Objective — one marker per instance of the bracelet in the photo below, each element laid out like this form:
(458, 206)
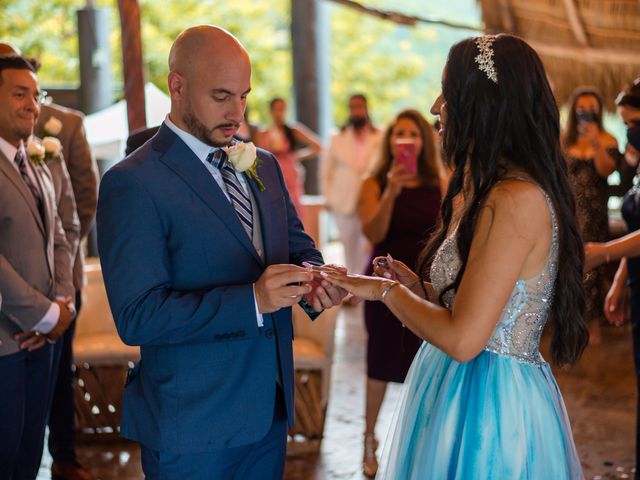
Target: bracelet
(387, 289)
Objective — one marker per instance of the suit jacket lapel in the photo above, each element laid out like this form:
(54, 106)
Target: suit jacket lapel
(14, 177)
(181, 159)
(46, 190)
(263, 201)
(45, 184)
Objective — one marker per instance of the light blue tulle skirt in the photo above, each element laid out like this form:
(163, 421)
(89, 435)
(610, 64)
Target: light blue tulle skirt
(492, 418)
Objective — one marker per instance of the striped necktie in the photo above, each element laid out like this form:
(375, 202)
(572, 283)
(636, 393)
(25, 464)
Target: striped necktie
(240, 200)
(22, 166)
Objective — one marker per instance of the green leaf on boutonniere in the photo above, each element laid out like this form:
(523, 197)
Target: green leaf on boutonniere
(253, 173)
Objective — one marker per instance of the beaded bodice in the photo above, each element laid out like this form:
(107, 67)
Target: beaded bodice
(519, 328)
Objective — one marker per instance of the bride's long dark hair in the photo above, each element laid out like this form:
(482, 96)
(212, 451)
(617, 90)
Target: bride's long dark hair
(514, 120)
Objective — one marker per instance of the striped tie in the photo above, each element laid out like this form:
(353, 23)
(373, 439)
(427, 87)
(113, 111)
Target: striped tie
(240, 200)
(22, 166)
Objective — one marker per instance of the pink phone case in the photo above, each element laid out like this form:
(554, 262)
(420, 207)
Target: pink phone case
(406, 155)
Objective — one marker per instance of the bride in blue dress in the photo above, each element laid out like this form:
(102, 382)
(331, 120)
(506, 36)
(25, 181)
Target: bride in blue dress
(480, 401)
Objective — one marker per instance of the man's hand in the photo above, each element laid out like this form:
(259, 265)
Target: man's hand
(276, 288)
(30, 340)
(323, 294)
(64, 321)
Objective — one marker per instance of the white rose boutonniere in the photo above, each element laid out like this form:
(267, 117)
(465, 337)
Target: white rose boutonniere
(52, 127)
(52, 148)
(243, 158)
(36, 152)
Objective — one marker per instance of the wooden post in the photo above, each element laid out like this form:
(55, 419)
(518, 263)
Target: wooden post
(132, 63)
(96, 91)
(305, 76)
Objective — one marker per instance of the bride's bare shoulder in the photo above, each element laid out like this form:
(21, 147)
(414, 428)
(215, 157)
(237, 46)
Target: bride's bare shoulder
(521, 202)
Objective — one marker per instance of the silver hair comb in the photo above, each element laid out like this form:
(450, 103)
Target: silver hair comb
(485, 58)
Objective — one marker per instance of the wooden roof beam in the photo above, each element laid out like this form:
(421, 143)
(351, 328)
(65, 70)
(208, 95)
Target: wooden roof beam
(506, 16)
(587, 54)
(576, 24)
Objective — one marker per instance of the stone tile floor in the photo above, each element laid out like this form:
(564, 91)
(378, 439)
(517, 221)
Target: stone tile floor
(599, 394)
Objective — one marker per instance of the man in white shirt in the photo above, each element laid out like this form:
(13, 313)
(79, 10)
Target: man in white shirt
(344, 165)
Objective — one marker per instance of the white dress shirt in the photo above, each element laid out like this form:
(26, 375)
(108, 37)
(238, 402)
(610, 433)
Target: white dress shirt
(202, 151)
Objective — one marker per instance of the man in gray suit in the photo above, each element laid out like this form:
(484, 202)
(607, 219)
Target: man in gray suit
(67, 125)
(35, 260)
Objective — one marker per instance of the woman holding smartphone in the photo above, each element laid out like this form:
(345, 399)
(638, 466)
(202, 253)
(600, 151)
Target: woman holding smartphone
(592, 155)
(398, 208)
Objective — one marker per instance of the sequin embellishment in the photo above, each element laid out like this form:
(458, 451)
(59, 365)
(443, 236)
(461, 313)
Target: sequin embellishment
(518, 331)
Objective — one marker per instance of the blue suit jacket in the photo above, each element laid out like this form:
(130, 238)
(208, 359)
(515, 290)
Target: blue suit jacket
(179, 269)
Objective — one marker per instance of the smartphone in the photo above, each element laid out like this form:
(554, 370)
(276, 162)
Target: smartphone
(406, 155)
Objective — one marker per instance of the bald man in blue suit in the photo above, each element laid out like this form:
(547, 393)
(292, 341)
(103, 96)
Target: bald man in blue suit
(202, 263)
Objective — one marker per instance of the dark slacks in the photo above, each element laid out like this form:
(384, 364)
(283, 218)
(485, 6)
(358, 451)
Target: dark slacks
(62, 431)
(26, 386)
(633, 266)
(263, 460)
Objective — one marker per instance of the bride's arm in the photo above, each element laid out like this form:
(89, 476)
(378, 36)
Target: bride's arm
(503, 246)
(506, 246)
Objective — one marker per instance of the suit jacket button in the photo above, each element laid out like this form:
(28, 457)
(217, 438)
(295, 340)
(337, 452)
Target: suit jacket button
(241, 333)
(217, 337)
(270, 333)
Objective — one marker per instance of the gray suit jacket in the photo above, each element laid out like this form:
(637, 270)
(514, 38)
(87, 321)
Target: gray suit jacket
(66, 206)
(35, 259)
(82, 170)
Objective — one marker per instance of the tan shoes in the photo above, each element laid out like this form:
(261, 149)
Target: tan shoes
(369, 460)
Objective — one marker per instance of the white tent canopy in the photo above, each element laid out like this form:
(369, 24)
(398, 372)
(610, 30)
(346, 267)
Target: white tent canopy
(107, 130)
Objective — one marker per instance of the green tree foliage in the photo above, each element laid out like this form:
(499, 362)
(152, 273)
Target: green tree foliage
(392, 65)
(368, 56)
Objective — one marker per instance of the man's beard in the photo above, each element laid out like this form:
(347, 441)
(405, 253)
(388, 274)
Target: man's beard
(200, 130)
(358, 122)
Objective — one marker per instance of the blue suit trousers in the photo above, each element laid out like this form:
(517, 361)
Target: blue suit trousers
(262, 460)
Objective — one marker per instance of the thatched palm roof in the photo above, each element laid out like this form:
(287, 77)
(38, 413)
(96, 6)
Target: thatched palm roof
(582, 42)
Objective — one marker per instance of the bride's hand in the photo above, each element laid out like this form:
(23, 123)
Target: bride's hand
(395, 270)
(361, 286)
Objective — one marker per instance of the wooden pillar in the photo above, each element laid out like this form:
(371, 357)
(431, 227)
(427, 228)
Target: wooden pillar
(305, 76)
(96, 90)
(132, 63)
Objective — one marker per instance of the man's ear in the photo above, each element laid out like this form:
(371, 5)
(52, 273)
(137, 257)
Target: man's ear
(176, 83)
